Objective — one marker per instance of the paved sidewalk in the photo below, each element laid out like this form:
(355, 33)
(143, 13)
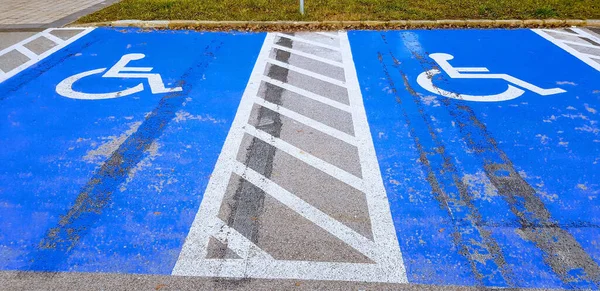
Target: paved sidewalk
(38, 14)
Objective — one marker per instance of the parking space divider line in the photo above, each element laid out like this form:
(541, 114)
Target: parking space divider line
(384, 232)
(581, 56)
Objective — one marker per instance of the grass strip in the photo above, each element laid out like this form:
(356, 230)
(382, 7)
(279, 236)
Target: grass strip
(345, 10)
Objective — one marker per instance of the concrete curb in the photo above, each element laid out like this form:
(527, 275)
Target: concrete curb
(335, 25)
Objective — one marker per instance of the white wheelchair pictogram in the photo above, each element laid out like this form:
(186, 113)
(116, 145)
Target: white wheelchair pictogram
(119, 70)
(512, 92)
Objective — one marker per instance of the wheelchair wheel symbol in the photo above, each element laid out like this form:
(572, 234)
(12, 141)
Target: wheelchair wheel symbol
(119, 70)
(425, 80)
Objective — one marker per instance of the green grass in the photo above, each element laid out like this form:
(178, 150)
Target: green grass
(262, 10)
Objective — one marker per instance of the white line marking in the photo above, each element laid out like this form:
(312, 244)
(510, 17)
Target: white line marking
(311, 37)
(52, 37)
(591, 56)
(308, 121)
(236, 242)
(586, 34)
(584, 44)
(308, 41)
(560, 32)
(471, 70)
(323, 33)
(387, 268)
(27, 52)
(9, 74)
(308, 73)
(382, 225)
(70, 28)
(276, 269)
(307, 94)
(336, 228)
(195, 246)
(299, 154)
(569, 49)
(309, 55)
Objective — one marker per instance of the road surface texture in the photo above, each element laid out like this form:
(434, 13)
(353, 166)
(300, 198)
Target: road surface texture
(362, 160)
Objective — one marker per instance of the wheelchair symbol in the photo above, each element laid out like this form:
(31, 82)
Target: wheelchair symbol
(512, 92)
(119, 70)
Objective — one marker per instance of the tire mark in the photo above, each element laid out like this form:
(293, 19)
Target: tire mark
(475, 243)
(248, 200)
(561, 251)
(97, 194)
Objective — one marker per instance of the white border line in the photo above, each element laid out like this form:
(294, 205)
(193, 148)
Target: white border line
(236, 242)
(382, 225)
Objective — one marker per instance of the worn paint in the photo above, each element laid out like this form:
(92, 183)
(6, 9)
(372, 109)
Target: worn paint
(489, 145)
(112, 185)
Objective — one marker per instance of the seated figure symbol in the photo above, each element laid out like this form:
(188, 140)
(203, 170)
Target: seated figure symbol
(119, 70)
(512, 92)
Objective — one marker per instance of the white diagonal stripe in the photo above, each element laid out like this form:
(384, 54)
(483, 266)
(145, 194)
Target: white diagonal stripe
(237, 242)
(40, 57)
(53, 38)
(307, 94)
(323, 33)
(560, 32)
(308, 55)
(336, 228)
(581, 56)
(308, 121)
(27, 52)
(384, 233)
(308, 73)
(308, 41)
(297, 153)
(584, 44)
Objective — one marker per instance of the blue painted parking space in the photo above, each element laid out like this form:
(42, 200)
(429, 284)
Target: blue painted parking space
(108, 144)
(249, 155)
(489, 147)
